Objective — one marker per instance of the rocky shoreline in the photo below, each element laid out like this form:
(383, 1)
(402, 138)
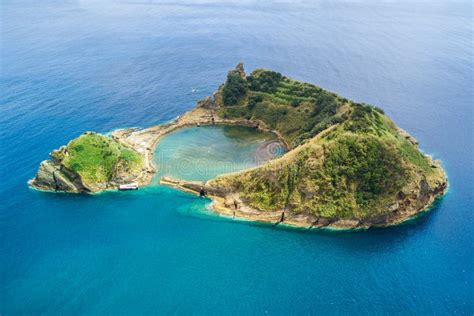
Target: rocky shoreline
(356, 132)
(229, 204)
(52, 176)
(144, 141)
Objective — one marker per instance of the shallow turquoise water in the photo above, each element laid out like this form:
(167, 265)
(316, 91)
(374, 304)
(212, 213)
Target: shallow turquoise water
(67, 67)
(202, 153)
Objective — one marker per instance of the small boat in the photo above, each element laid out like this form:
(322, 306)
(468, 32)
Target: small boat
(128, 186)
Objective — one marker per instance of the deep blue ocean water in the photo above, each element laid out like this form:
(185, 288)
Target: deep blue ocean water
(72, 66)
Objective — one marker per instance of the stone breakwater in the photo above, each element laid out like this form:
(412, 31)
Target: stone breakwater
(351, 167)
(53, 176)
(416, 200)
(145, 140)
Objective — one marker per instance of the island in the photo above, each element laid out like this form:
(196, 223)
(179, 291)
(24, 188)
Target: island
(347, 165)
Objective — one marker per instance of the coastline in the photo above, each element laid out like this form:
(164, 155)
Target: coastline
(217, 206)
(353, 135)
(144, 141)
(224, 205)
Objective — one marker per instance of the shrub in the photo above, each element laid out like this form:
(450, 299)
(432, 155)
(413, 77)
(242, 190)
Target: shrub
(325, 103)
(367, 164)
(236, 112)
(376, 108)
(234, 89)
(366, 119)
(253, 100)
(295, 103)
(265, 81)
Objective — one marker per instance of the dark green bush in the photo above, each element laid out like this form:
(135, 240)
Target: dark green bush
(265, 81)
(325, 103)
(295, 103)
(367, 164)
(234, 90)
(253, 100)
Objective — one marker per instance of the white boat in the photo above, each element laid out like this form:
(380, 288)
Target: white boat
(128, 186)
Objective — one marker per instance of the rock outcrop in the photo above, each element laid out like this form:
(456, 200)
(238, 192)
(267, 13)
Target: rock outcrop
(230, 203)
(348, 165)
(89, 163)
(207, 103)
(51, 175)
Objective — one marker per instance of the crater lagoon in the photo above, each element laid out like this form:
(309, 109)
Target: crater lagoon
(202, 153)
(69, 67)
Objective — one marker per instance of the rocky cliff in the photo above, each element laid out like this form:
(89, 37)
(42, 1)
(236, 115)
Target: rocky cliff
(89, 163)
(350, 165)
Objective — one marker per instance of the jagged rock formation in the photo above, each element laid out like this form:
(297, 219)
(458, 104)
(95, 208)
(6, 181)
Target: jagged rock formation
(52, 175)
(207, 103)
(347, 166)
(89, 163)
(350, 166)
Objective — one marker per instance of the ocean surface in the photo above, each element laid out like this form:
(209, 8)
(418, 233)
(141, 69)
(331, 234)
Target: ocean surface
(72, 66)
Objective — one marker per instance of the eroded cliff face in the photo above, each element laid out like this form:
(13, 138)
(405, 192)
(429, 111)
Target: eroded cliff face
(52, 176)
(350, 166)
(412, 200)
(89, 163)
(310, 193)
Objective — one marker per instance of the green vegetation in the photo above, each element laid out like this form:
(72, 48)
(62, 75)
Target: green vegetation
(352, 161)
(234, 89)
(297, 110)
(253, 100)
(264, 81)
(342, 174)
(97, 158)
(368, 164)
(413, 155)
(349, 160)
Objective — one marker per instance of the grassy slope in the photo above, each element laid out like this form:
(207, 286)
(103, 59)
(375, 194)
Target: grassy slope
(296, 109)
(353, 169)
(97, 158)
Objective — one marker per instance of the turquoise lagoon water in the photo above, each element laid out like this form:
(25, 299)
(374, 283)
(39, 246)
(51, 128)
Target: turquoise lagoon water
(72, 66)
(202, 153)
